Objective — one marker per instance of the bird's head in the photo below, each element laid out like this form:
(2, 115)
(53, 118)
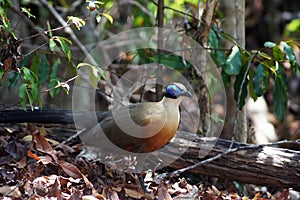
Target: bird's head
(176, 90)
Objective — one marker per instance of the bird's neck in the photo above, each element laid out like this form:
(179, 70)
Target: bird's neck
(171, 102)
(171, 107)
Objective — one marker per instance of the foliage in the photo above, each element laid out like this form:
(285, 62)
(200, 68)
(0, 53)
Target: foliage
(36, 69)
(5, 23)
(292, 28)
(255, 70)
(252, 71)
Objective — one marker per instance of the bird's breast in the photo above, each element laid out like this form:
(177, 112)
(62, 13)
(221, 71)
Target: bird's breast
(165, 134)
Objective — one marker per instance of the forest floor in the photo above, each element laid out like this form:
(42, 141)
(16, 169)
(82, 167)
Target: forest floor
(36, 162)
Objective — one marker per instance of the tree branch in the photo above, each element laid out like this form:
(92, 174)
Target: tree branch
(263, 164)
(69, 31)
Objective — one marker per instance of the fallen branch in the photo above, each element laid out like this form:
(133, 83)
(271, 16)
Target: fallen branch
(263, 164)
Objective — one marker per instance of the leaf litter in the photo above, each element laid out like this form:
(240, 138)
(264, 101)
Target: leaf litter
(34, 164)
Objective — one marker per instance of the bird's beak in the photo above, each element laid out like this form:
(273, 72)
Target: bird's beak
(186, 94)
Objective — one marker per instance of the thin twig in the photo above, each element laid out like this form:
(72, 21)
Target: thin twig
(160, 41)
(61, 84)
(72, 137)
(69, 31)
(36, 48)
(139, 5)
(29, 22)
(45, 32)
(240, 91)
(178, 11)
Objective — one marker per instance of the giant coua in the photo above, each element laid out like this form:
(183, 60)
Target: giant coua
(141, 127)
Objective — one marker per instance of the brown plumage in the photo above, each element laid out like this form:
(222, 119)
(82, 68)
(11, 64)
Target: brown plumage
(142, 127)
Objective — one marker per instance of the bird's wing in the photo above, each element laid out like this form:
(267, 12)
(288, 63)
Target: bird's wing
(145, 113)
(140, 114)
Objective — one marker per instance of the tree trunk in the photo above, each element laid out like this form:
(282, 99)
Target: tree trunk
(234, 24)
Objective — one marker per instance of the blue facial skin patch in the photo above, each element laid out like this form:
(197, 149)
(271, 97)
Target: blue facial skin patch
(173, 91)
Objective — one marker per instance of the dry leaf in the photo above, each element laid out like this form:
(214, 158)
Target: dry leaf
(43, 145)
(45, 160)
(32, 155)
(70, 169)
(134, 193)
(117, 189)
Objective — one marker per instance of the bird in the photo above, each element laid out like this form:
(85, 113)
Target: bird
(141, 127)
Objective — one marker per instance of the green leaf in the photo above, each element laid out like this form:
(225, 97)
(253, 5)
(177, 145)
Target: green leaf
(269, 44)
(29, 89)
(53, 86)
(49, 30)
(54, 69)
(44, 69)
(292, 27)
(66, 50)
(217, 55)
(110, 19)
(54, 79)
(35, 92)
(226, 79)
(173, 61)
(52, 45)
(98, 2)
(237, 85)
(1, 73)
(264, 55)
(260, 80)
(277, 53)
(23, 62)
(251, 86)
(64, 46)
(95, 73)
(22, 91)
(35, 64)
(29, 97)
(13, 80)
(234, 62)
(280, 94)
(93, 69)
(22, 94)
(27, 74)
(93, 79)
(289, 52)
